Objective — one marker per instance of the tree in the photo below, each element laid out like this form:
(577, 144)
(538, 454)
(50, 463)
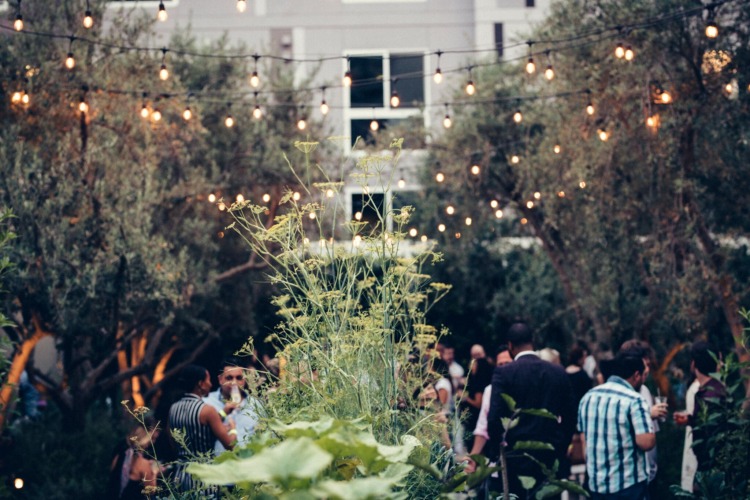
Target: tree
(631, 212)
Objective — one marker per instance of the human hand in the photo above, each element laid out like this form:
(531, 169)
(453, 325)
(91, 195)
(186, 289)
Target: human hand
(680, 417)
(659, 411)
(470, 466)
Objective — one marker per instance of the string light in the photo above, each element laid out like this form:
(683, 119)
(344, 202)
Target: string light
(529, 204)
(470, 88)
(438, 76)
(25, 98)
(347, 80)
(515, 159)
(257, 112)
(629, 54)
(518, 116)
(302, 123)
(561, 194)
(475, 170)
(441, 228)
(395, 101)
(590, 108)
(241, 5)
(447, 122)
(401, 183)
(88, 20)
(450, 210)
(162, 14)
(82, 106)
(229, 120)
(499, 214)
(358, 216)
(163, 71)
(619, 51)
(413, 232)
(296, 196)
(603, 135)
(530, 66)
(549, 73)
(156, 115)
(16, 97)
(18, 483)
(440, 177)
(240, 198)
(254, 78)
(665, 97)
(211, 198)
(329, 193)
(18, 23)
(374, 125)
(70, 61)
(494, 203)
(266, 198)
(537, 195)
(324, 109)
(145, 111)
(712, 30)
(557, 149)
(582, 184)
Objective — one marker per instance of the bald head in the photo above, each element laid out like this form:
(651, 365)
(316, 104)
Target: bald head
(477, 352)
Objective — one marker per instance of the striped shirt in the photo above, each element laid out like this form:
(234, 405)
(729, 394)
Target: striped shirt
(610, 416)
(184, 415)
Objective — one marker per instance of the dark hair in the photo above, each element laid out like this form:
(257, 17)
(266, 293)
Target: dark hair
(501, 349)
(637, 348)
(190, 376)
(606, 368)
(576, 354)
(231, 361)
(520, 334)
(627, 363)
(700, 352)
(440, 367)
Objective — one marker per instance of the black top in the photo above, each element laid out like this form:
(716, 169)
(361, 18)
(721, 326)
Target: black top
(581, 383)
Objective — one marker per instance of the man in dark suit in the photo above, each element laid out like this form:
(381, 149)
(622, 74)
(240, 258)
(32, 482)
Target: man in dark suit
(533, 384)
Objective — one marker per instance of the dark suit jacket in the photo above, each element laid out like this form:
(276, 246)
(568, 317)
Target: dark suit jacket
(534, 384)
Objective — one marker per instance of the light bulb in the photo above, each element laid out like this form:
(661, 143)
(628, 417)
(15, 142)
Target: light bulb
(450, 210)
(470, 88)
(413, 232)
(557, 149)
(241, 5)
(401, 183)
(561, 194)
(296, 196)
(145, 111)
(254, 79)
(324, 107)
(187, 114)
(438, 76)
(347, 79)
(156, 115)
(16, 97)
(358, 216)
(329, 193)
(163, 72)
(423, 238)
(537, 195)
(257, 112)
(211, 198)
(524, 221)
(712, 30)
(312, 216)
(494, 203)
(18, 23)
(18, 483)
(439, 177)
(475, 169)
(529, 204)
(266, 198)
(25, 98)
(395, 101)
(514, 159)
(70, 61)
(629, 54)
(650, 121)
(374, 125)
(619, 51)
(582, 184)
(517, 116)
(499, 214)
(666, 97)
(302, 124)
(240, 198)
(468, 221)
(229, 121)
(83, 107)
(603, 135)
(447, 121)
(530, 66)
(590, 108)
(162, 14)
(222, 206)
(88, 21)
(549, 73)
(441, 228)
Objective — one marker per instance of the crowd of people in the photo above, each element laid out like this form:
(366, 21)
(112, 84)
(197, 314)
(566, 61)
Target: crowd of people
(597, 413)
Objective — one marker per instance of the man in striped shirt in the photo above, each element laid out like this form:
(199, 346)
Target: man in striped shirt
(618, 430)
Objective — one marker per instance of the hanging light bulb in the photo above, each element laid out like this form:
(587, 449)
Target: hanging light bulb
(712, 30)
(590, 108)
(447, 121)
(603, 135)
(229, 121)
(211, 198)
(302, 123)
(561, 194)
(374, 125)
(666, 97)
(529, 204)
(254, 80)
(438, 76)
(499, 214)
(450, 210)
(494, 203)
(468, 221)
(557, 149)
(266, 198)
(187, 114)
(441, 228)
(629, 54)
(440, 177)
(82, 106)
(25, 98)
(324, 107)
(413, 232)
(530, 66)
(619, 51)
(162, 14)
(257, 113)
(515, 159)
(163, 72)
(517, 116)
(537, 195)
(401, 183)
(395, 101)
(582, 184)
(470, 88)
(156, 115)
(145, 112)
(549, 73)
(70, 61)
(88, 20)
(240, 198)
(475, 170)
(16, 97)
(18, 23)
(241, 5)
(296, 196)
(347, 79)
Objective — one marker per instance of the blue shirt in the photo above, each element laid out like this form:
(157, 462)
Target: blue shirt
(610, 416)
(245, 417)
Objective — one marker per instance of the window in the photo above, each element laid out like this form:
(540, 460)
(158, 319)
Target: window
(529, 3)
(371, 209)
(375, 77)
(499, 39)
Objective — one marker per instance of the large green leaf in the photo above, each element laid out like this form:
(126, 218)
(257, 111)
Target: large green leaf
(540, 413)
(294, 458)
(356, 489)
(532, 445)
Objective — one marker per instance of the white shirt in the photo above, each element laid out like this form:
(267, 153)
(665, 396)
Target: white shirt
(445, 384)
(484, 411)
(689, 461)
(525, 353)
(245, 417)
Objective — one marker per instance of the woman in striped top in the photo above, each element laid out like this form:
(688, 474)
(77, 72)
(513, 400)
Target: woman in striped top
(201, 425)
